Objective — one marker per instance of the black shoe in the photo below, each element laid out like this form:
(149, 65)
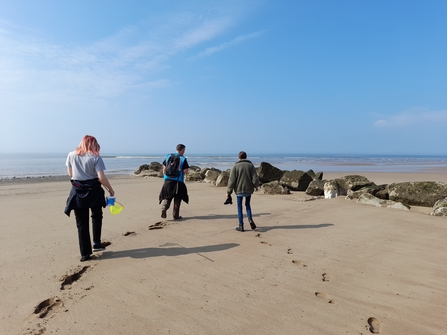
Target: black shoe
(228, 201)
(252, 224)
(163, 213)
(177, 218)
(85, 258)
(98, 248)
(240, 228)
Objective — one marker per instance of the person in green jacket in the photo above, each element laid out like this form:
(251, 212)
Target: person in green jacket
(243, 181)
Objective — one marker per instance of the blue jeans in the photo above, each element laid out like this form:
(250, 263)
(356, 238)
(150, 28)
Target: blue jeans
(240, 197)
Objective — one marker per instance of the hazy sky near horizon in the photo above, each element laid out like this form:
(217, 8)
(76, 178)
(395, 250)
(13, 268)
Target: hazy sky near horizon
(321, 76)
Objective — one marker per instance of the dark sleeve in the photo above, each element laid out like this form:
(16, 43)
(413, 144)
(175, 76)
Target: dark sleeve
(185, 165)
(231, 181)
(164, 162)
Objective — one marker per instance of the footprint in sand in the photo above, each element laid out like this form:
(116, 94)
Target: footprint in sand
(296, 262)
(157, 225)
(264, 242)
(69, 279)
(325, 297)
(258, 235)
(48, 307)
(374, 325)
(129, 233)
(106, 243)
(326, 277)
(289, 251)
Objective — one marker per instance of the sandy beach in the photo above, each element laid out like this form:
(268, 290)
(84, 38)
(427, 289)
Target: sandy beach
(311, 267)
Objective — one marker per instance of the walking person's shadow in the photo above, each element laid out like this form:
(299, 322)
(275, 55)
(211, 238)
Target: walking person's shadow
(170, 251)
(298, 226)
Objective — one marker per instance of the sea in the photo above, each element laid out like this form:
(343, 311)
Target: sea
(20, 165)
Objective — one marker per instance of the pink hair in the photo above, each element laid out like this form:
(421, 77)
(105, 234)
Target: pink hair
(88, 144)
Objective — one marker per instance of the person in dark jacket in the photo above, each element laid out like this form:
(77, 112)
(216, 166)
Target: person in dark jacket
(86, 170)
(174, 186)
(243, 181)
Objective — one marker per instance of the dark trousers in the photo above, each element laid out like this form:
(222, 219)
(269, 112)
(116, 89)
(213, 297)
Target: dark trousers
(82, 222)
(166, 203)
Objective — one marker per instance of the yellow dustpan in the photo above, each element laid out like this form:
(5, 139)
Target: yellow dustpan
(116, 208)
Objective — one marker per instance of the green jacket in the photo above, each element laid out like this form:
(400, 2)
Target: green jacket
(243, 178)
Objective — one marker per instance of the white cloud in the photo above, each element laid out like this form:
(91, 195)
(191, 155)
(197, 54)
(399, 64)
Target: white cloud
(211, 50)
(413, 117)
(131, 59)
(202, 33)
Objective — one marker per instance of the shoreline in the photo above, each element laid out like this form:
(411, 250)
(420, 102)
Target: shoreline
(44, 165)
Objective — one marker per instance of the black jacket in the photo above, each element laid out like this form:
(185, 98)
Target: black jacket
(174, 189)
(85, 194)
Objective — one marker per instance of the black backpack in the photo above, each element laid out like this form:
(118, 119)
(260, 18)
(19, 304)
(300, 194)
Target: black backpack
(173, 166)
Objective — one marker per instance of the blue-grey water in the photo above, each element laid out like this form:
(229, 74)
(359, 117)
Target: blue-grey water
(39, 165)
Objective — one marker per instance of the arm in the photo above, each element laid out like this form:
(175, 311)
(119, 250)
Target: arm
(185, 167)
(70, 171)
(105, 182)
(231, 182)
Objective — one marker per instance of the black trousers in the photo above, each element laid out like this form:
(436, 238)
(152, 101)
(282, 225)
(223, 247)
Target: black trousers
(166, 203)
(82, 222)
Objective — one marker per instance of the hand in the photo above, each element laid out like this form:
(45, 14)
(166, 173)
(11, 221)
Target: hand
(112, 193)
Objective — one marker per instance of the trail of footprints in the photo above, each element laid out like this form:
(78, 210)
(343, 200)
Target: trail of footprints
(374, 324)
(50, 306)
(35, 323)
(157, 225)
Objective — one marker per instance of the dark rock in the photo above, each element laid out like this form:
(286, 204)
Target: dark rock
(351, 195)
(156, 166)
(315, 188)
(211, 175)
(274, 188)
(149, 170)
(353, 183)
(150, 173)
(194, 168)
(379, 192)
(222, 179)
(194, 176)
(268, 173)
(205, 170)
(420, 193)
(296, 180)
(141, 168)
(319, 175)
(311, 173)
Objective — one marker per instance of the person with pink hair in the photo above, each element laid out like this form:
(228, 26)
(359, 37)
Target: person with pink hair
(86, 170)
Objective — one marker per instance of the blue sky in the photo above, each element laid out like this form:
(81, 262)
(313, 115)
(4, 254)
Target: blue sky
(323, 77)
